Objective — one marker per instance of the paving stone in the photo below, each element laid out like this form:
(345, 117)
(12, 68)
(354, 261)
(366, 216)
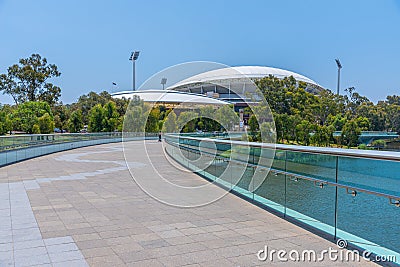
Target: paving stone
(154, 243)
(28, 244)
(81, 207)
(171, 233)
(58, 240)
(60, 248)
(146, 263)
(74, 263)
(28, 252)
(6, 257)
(32, 260)
(137, 256)
(66, 256)
(97, 252)
(109, 260)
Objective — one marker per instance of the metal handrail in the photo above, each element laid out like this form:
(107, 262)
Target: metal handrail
(368, 154)
(31, 140)
(297, 176)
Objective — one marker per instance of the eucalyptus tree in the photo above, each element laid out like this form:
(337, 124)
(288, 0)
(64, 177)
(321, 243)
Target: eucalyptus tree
(28, 81)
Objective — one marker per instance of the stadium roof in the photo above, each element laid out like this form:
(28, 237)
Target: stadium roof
(170, 97)
(241, 72)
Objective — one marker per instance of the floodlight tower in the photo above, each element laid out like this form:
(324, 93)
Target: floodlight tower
(339, 65)
(134, 56)
(163, 82)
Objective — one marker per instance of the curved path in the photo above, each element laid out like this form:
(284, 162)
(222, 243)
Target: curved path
(81, 207)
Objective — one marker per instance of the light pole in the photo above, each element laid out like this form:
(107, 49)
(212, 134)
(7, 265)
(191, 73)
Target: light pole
(134, 56)
(339, 65)
(163, 82)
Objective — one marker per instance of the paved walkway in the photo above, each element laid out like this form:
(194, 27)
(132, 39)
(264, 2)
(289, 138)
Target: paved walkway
(81, 207)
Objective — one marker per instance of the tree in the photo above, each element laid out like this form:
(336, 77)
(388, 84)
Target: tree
(60, 113)
(75, 122)
(227, 117)
(354, 101)
(350, 133)
(134, 120)
(363, 123)
(322, 135)
(152, 121)
(267, 132)
(110, 117)
(392, 111)
(46, 124)
(51, 94)
(27, 115)
(170, 125)
(303, 131)
(207, 119)
(254, 127)
(36, 129)
(393, 100)
(9, 87)
(5, 122)
(187, 121)
(280, 127)
(121, 105)
(379, 143)
(336, 121)
(96, 119)
(327, 105)
(136, 116)
(87, 102)
(27, 81)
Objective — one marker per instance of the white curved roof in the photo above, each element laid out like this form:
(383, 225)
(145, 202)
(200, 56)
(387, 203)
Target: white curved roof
(170, 96)
(241, 72)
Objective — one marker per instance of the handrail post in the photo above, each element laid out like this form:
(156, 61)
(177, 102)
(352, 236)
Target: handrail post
(336, 195)
(254, 172)
(285, 194)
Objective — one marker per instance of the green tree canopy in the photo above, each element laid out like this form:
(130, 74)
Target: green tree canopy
(170, 124)
(187, 121)
(227, 117)
(27, 115)
(75, 123)
(136, 115)
(96, 118)
(87, 102)
(46, 124)
(27, 81)
(5, 121)
(110, 117)
(104, 118)
(350, 133)
(61, 115)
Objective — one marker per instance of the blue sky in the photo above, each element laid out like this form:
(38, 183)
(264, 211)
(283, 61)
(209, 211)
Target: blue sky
(91, 41)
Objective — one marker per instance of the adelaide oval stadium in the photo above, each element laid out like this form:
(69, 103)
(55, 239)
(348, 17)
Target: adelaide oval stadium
(228, 85)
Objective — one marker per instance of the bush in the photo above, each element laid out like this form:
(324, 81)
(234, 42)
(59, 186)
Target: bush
(46, 124)
(35, 129)
(362, 146)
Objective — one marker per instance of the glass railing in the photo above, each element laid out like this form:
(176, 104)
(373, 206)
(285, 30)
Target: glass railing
(352, 195)
(15, 148)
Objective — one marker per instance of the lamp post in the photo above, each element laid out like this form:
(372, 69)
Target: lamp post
(163, 82)
(134, 56)
(339, 65)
